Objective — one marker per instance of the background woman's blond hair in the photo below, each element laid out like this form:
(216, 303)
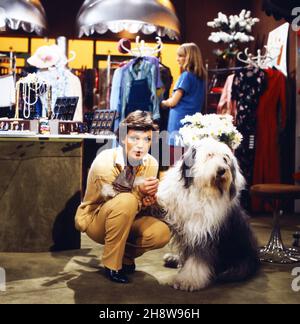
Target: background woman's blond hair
(193, 59)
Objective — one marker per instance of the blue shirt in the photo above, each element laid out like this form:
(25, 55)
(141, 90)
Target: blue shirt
(122, 81)
(190, 104)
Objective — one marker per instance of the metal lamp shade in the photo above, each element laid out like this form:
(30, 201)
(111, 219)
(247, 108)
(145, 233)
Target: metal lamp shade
(28, 15)
(134, 16)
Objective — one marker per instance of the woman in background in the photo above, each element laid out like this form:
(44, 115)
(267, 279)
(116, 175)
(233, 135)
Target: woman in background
(188, 96)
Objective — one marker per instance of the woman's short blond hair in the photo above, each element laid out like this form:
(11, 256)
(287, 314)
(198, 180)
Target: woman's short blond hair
(193, 59)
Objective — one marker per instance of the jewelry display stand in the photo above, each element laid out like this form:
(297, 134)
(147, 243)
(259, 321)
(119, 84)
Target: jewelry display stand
(64, 108)
(18, 125)
(103, 122)
(28, 92)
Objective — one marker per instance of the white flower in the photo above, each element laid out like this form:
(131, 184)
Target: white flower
(214, 37)
(243, 38)
(222, 18)
(232, 28)
(211, 24)
(248, 14)
(249, 28)
(219, 127)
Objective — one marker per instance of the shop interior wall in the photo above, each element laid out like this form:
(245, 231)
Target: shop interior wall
(198, 13)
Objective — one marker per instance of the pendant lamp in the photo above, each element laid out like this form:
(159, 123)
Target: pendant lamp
(134, 16)
(28, 15)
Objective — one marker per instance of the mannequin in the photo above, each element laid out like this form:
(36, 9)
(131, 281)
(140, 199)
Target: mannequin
(51, 62)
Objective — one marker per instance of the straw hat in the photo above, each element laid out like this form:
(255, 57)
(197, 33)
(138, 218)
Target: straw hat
(47, 56)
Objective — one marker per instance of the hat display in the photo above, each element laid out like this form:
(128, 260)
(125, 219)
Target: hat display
(47, 56)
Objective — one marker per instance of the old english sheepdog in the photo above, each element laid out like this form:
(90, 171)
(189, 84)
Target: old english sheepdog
(200, 196)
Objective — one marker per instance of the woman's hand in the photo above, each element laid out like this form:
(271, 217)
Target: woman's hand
(149, 187)
(174, 100)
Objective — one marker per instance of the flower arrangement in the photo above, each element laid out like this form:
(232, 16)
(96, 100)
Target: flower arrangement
(232, 29)
(219, 127)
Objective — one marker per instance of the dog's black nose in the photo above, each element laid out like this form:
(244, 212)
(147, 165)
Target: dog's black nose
(221, 172)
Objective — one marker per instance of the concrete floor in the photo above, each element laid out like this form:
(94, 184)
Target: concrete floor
(75, 277)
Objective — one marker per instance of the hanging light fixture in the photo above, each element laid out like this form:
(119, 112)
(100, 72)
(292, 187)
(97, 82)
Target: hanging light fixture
(28, 15)
(134, 16)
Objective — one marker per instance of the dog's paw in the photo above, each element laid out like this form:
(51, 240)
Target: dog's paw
(186, 284)
(171, 261)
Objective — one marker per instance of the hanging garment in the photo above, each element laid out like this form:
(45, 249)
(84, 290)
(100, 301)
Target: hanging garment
(88, 85)
(64, 84)
(167, 80)
(248, 86)
(7, 87)
(271, 119)
(143, 70)
(115, 97)
(124, 99)
(139, 97)
(226, 104)
(155, 61)
(103, 89)
(151, 59)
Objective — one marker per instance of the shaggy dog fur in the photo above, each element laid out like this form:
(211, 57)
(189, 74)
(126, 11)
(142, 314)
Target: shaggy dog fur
(210, 230)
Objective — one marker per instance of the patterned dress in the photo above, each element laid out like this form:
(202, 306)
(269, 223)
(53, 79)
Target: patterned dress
(248, 86)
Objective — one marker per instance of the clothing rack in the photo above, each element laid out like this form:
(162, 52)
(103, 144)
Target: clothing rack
(216, 71)
(258, 60)
(224, 70)
(140, 51)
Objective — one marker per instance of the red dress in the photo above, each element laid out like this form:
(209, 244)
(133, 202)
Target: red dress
(271, 118)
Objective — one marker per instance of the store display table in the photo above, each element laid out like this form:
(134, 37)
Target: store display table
(41, 181)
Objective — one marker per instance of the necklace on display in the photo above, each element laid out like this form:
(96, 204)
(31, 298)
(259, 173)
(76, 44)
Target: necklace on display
(58, 78)
(33, 88)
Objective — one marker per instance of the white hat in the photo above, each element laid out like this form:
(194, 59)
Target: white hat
(47, 56)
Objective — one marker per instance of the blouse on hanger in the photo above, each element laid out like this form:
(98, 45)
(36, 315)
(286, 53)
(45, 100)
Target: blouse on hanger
(226, 104)
(134, 87)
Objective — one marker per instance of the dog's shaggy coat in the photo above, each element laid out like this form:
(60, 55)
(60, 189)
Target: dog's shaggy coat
(210, 230)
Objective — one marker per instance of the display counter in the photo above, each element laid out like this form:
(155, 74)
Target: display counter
(42, 180)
